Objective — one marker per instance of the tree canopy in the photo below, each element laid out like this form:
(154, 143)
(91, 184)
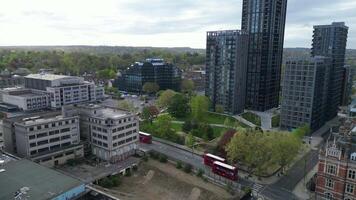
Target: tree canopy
(199, 105)
(150, 87)
(178, 107)
(165, 98)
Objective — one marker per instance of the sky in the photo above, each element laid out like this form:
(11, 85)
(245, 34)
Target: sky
(158, 23)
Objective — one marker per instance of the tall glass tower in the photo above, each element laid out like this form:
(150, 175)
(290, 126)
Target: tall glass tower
(264, 21)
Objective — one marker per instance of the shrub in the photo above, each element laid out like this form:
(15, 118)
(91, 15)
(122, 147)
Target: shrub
(128, 173)
(200, 173)
(116, 181)
(187, 168)
(163, 158)
(154, 155)
(179, 165)
(135, 168)
(145, 158)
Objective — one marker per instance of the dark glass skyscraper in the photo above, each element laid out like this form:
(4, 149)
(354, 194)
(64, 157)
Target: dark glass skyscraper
(330, 41)
(264, 21)
(226, 63)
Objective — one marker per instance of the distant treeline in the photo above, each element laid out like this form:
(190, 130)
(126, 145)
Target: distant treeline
(106, 60)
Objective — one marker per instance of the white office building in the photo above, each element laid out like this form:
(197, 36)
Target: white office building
(113, 133)
(26, 99)
(65, 90)
(49, 138)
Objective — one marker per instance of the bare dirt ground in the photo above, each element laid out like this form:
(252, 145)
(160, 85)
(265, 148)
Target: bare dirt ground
(162, 181)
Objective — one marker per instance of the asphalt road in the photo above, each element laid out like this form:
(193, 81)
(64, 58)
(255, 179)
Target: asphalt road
(278, 191)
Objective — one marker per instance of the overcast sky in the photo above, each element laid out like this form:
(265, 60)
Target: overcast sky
(160, 23)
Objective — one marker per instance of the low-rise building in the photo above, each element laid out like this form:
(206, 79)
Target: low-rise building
(336, 175)
(23, 179)
(49, 138)
(26, 99)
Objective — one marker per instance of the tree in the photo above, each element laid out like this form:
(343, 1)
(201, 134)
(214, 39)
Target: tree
(199, 105)
(149, 113)
(164, 126)
(219, 108)
(302, 131)
(187, 126)
(150, 87)
(225, 139)
(187, 86)
(127, 105)
(178, 107)
(190, 140)
(165, 98)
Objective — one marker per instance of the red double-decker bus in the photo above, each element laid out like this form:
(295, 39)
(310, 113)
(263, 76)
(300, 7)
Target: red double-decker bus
(225, 170)
(209, 159)
(145, 137)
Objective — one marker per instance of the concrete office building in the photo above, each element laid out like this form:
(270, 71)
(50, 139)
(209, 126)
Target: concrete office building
(26, 99)
(50, 138)
(166, 75)
(64, 90)
(330, 41)
(264, 21)
(226, 66)
(304, 93)
(113, 133)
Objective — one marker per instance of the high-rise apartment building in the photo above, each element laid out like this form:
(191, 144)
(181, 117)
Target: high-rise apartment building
(304, 93)
(226, 65)
(264, 21)
(330, 41)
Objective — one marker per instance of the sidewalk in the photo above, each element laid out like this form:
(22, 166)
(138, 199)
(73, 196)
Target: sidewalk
(244, 121)
(300, 190)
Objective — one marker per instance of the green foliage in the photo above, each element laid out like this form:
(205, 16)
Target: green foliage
(187, 168)
(149, 113)
(150, 88)
(302, 131)
(200, 173)
(110, 181)
(154, 155)
(219, 108)
(163, 158)
(127, 105)
(187, 126)
(145, 158)
(106, 74)
(275, 120)
(199, 105)
(257, 151)
(178, 107)
(187, 86)
(189, 140)
(164, 126)
(253, 118)
(179, 165)
(165, 97)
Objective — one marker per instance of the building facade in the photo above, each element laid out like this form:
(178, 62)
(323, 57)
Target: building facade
(304, 93)
(26, 99)
(113, 133)
(64, 90)
(264, 21)
(336, 175)
(166, 75)
(226, 66)
(348, 75)
(49, 138)
(330, 41)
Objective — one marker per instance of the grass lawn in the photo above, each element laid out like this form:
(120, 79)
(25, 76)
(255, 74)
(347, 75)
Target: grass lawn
(214, 118)
(177, 127)
(275, 121)
(253, 118)
(218, 131)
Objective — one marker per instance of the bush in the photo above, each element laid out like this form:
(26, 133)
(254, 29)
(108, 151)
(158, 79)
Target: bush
(154, 155)
(179, 165)
(275, 120)
(135, 168)
(145, 158)
(128, 174)
(200, 173)
(163, 158)
(187, 168)
(116, 181)
(187, 126)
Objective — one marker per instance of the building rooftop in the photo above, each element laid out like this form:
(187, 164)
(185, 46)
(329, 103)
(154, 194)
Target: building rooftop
(49, 77)
(31, 180)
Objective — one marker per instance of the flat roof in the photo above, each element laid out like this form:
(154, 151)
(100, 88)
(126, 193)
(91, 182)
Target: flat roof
(49, 77)
(106, 112)
(37, 181)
